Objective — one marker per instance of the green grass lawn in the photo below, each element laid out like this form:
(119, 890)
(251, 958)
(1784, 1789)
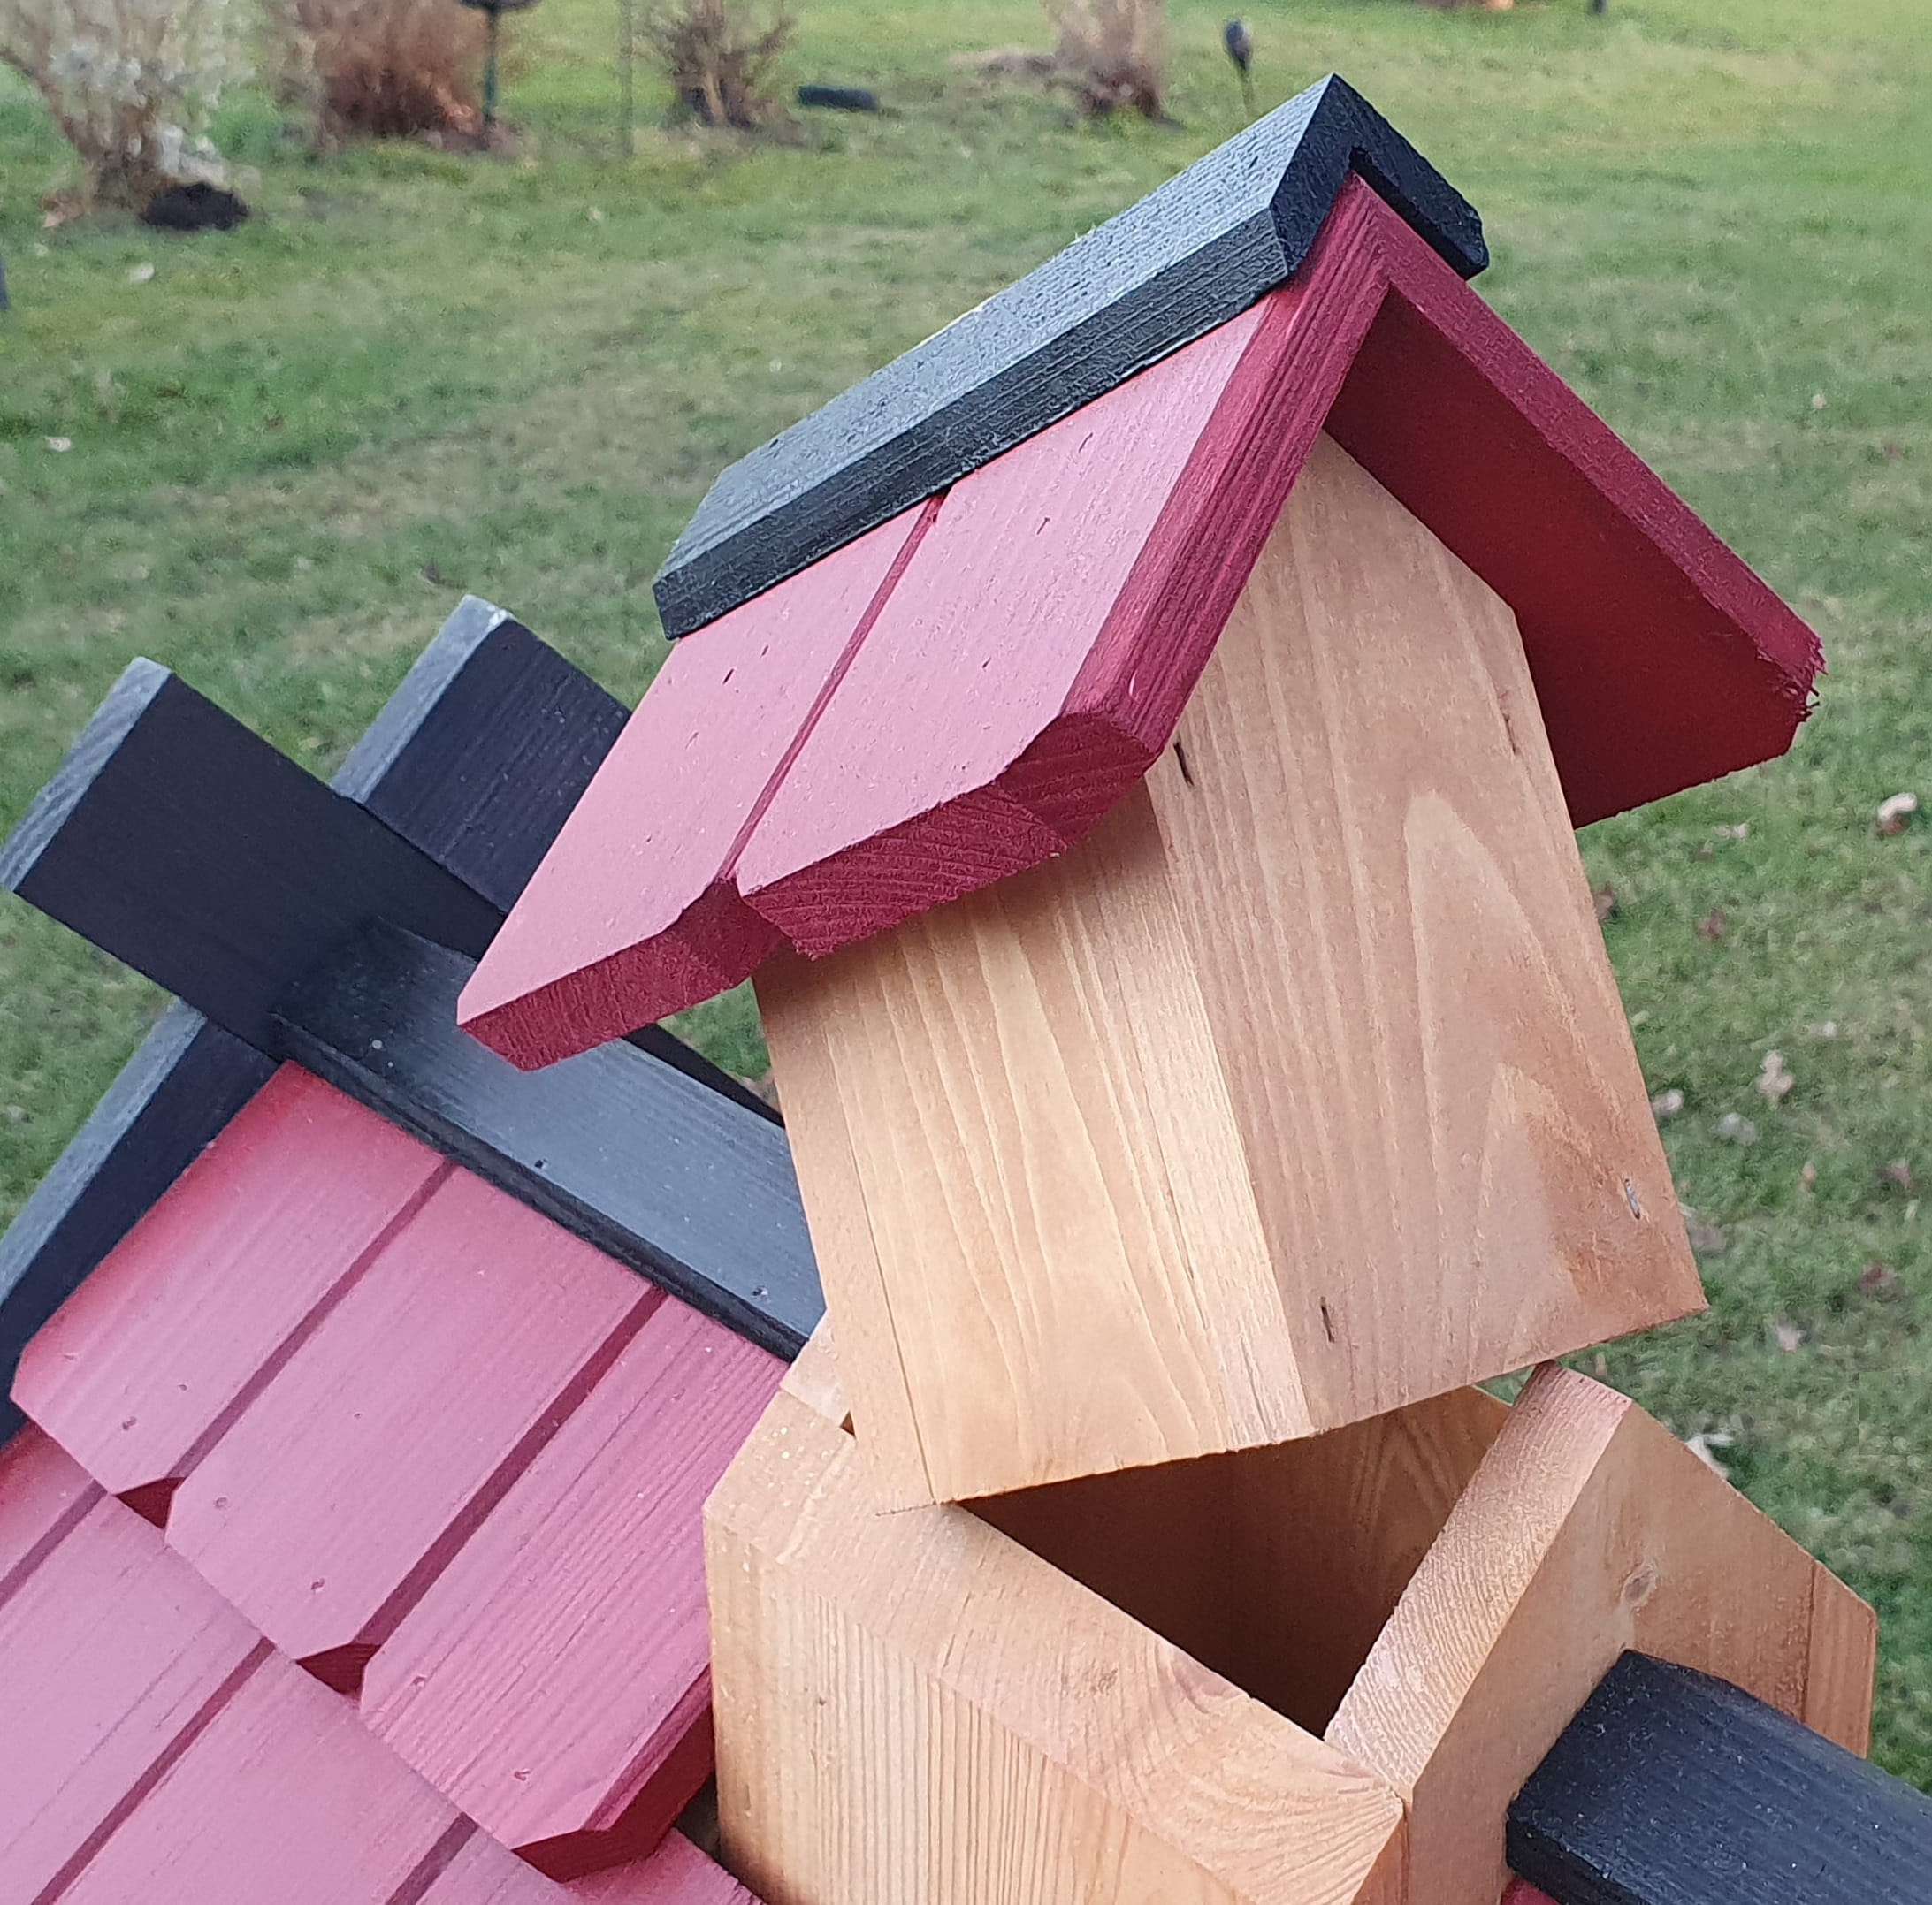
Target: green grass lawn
(415, 374)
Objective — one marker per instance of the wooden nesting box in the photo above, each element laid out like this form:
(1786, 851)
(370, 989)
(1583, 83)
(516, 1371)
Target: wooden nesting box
(1304, 1675)
(1159, 706)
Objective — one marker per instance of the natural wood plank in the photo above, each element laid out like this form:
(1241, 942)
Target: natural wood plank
(666, 1176)
(111, 1652)
(554, 1681)
(166, 1343)
(340, 1492)
(1109, 1167)
(814, 1379)
(1190, 256)
(279, 1796)
(1844, 1665)
(1587, 1529)
(911, 1706)
(631, 914)
(1276, 1567)
(1671, 1787)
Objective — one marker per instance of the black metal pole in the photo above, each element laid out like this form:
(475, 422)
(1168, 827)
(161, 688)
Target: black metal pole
(495, 15)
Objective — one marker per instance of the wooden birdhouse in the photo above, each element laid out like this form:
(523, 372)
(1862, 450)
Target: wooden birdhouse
(1157, 708)
(1134, 741)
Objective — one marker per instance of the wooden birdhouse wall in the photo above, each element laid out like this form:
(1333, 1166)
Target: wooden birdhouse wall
(1299, 1091)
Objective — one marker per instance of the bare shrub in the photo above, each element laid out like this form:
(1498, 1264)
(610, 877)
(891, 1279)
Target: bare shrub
(1112, 53)
(131, 84)
(388, 68)
(719, 56)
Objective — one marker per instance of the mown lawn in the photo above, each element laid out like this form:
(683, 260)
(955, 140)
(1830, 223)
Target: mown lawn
(415, 374)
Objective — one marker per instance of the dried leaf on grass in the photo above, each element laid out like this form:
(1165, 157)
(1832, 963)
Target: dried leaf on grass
(1774, 1080)
(1895, 814)
(1702, 1445)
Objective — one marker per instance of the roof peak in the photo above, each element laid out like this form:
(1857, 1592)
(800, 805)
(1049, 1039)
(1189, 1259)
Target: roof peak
(1198, 250)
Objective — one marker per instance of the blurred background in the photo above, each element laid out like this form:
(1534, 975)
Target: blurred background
(404, 348)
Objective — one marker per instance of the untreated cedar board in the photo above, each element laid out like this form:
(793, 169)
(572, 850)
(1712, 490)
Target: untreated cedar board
(675, 1180)
(1190, 256)
(554, 1681)
(1587, 1529)
(911, 1706)
(337, 1496)
(1300, 1090)
(111, 1652)
(1276, 1567)
(279, 1796)
(640, 876)
(1671, 1787)
(160, 1348)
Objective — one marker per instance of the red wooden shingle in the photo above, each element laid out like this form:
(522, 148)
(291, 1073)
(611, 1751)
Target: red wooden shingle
(1032, 659)
(43, 1492)
(652, 841)
(342, 1490)
(112, 1651)
(281, 1796)
(1521, 1892)
(554, 1682)
(677, 1873)
(162, 1347)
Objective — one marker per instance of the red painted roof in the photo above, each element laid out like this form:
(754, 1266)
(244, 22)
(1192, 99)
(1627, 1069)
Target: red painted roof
(963, 692)
(387, 1424)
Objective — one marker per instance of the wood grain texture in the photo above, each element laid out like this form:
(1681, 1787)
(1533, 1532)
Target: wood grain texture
(1671, 1787)
(475, 761)
(632, 913)
(172, 1099)
(1032, 659)
(554, 1681)
(1844, 1665)
(1588, 1529)
(1107, 1170)
(663, 1174)
(112, 1651)
(1661, 660)
(280, 1795)
(677, 1873)
(911, 1706)
(43, 1492)
(338, 1494)
(158, 1351)
(1191, 256)
(1276, 1568)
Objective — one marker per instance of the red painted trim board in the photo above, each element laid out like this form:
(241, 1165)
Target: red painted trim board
(555, 1680)
(1034, 654)
(651, 844)
(342, 1491)
(142, 1367)
(1521, 1892)
(112, 1651)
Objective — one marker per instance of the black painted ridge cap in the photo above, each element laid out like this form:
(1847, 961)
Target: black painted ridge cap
(54, 802)
(1194, 252)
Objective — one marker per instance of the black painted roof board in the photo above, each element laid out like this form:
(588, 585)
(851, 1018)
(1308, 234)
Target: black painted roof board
(678, 1181)
(1186, 258)
(1670, 1788)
